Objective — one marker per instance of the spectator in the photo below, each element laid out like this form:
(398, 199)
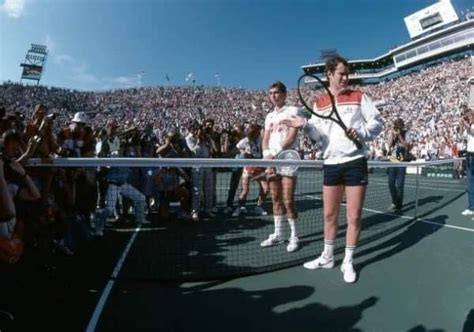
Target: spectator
(251, 148)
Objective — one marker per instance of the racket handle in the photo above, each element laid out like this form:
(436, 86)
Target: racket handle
(354, 140)
(357, 143)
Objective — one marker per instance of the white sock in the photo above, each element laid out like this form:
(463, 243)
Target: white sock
(292, 223)
(278, 226)
(328, 248)
(349, 254)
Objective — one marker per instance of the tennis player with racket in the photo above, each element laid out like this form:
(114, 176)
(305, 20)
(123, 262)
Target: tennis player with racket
(342, 121)
(278, 137)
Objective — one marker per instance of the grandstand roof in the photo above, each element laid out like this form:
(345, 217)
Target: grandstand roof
(453, 39)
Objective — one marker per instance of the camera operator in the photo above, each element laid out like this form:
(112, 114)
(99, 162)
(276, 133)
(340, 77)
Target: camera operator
(467, 128)
(7, 208)
(40, 129)
(114, 181)
(399, 146)
(201, 146)
(232, 151)
(21, 188)
(148, 145)
(213, 137)
(71, 138)
(215, 140)
(76, 141)
(13, 171)
(168, 184)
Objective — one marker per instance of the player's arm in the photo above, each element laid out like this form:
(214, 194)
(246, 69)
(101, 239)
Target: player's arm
(290, 138)
(266, 138)
(373, 124)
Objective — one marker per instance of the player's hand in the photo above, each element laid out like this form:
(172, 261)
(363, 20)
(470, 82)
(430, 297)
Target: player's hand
(352, 134)
(295, 121)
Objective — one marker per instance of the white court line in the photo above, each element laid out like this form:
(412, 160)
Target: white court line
(446, 225)
(425, 187)
(108, 288)
(420, 186)
(406, 217)
(375, 182)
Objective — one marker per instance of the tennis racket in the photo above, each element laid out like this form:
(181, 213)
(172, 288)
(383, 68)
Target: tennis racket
(321, 94)
(287, 155)
(282, 170)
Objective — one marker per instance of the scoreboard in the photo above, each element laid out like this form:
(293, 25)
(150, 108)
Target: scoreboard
(430, 18)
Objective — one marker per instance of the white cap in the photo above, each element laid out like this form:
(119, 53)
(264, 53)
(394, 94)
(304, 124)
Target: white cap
(79, 117)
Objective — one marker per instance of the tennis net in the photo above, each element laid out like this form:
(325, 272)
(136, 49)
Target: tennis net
(154, 199)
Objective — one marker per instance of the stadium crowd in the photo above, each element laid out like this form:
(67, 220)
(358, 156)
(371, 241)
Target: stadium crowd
(170, 122)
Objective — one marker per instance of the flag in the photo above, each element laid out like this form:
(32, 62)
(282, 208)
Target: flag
(189, 77)
(167, 78)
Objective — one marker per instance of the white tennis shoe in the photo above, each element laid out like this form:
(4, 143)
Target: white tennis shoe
(293, 244)
(348, 271)
(272, 240)
(322, 262)
(467, 212)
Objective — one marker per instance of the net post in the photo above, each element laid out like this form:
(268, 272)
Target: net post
(418, 174)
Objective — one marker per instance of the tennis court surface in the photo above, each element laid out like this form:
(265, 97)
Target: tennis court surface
(414, 274)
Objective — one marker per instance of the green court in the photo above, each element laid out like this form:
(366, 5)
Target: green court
(414, 274)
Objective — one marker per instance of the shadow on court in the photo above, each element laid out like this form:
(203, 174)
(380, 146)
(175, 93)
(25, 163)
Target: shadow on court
(48, 291)
(469, 323)
(196, 251)
(427, 205)
(422, 328)
(414, 233)
(230, 309)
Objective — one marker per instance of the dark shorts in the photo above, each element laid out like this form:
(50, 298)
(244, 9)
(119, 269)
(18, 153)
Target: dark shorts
(352, 173)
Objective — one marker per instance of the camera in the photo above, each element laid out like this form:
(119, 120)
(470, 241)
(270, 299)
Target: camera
(51, 116)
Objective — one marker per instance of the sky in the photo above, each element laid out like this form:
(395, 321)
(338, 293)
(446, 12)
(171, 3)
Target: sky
(109, 44)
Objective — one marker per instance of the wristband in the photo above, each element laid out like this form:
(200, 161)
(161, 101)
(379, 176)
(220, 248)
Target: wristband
(275, 151)
(266, 153)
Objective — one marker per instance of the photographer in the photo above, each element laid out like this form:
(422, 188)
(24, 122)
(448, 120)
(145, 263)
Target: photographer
(215, 143)
(213, 137)
(40, 129)
(7, 208)
(231, 150)
(148, 144)
(7, 217)
(15, 173)
(76, 141)
(114, 181)
(467, 128)
(399, 146)
(71, 139)
(202, 179)
(21, 188)
(167, 180)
